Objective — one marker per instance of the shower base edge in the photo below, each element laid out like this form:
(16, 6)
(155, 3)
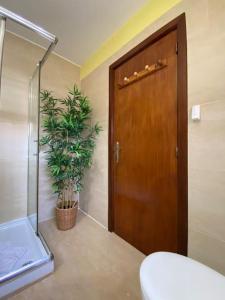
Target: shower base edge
(29, 277)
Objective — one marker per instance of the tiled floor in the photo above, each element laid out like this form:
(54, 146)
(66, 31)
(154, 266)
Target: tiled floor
(91, 264)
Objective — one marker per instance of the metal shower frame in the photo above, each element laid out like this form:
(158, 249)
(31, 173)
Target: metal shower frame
(7, 14)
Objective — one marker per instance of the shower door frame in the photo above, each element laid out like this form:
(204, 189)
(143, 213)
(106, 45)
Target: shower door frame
(37, 72)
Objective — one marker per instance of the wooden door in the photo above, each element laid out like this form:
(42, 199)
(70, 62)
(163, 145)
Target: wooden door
(144, 164)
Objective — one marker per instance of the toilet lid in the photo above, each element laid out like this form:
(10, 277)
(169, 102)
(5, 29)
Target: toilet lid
(169, 276)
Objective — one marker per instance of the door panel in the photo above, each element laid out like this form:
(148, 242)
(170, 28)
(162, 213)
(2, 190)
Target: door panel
(145, 198)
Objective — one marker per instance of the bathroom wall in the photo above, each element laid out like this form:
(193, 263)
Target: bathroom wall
(206, 73)
(58, 75)
(20, 58)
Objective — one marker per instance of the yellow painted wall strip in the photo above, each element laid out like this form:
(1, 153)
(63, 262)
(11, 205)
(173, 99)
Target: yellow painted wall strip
(149, 13)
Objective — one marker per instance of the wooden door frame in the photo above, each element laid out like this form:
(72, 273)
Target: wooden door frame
(178, 24)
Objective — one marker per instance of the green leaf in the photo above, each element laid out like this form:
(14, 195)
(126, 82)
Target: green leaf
(69, 136)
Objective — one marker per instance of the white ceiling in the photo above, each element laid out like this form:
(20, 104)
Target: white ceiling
(81, 25)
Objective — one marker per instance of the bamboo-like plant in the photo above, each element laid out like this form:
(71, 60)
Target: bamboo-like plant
(70, 137)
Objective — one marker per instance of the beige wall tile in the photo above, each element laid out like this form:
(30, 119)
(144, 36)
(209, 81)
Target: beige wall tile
(20, 58)
(96, 181)
(17, 68)
(207, 171)
(207, 250)
(206, 61)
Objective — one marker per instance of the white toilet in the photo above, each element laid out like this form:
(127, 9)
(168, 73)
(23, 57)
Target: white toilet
(169, 276)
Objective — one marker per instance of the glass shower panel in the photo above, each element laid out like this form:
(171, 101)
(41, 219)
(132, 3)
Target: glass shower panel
(2, 34)
(33, 149)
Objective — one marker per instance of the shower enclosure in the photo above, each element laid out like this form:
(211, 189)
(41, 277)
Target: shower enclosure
(24, 254)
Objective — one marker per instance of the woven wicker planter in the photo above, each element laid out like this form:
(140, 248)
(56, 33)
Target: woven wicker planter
(66, 218)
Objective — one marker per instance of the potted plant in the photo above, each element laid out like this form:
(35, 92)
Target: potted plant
(70, 137)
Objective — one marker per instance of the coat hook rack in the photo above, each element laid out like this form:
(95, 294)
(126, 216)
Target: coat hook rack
(148, 70)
